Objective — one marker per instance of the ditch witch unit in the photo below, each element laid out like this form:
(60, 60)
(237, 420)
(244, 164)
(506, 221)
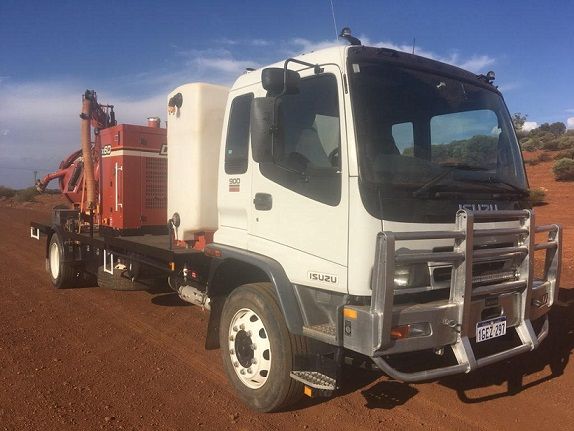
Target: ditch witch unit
(119, 177)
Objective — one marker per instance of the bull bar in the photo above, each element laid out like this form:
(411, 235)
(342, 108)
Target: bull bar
(453, 320)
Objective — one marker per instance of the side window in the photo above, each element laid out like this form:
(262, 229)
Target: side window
(237, 142)
(307, 158)
(404, 138)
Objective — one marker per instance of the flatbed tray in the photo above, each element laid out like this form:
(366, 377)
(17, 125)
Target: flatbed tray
(149, 245)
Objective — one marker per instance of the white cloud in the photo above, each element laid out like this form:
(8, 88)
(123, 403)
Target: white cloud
(529, 125)
(260, 42)
(218, 66)
(570, 123)
(475, 63)
(227, 41)
(570, 110)
(245, 42)
(301, 45)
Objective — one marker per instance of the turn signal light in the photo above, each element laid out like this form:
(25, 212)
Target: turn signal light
(349, 313)
(399, 332)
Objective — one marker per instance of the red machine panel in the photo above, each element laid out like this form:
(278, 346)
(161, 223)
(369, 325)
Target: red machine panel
(133, 182)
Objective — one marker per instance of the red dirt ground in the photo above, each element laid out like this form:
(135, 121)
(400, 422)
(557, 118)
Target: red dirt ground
(90, 358)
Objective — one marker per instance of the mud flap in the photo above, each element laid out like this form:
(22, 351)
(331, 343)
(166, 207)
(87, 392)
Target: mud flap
(212, 338)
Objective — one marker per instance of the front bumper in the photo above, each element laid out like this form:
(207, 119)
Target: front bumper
(452, 322)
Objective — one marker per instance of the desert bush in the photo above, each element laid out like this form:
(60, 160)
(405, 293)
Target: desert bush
(26, 195)
(565, 154)
(551, 144)
(563, 169)
(530, 144)
(6, 192)
(537, 196)
(566, 141)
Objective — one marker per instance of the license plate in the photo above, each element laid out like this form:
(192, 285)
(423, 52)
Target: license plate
(488, 329)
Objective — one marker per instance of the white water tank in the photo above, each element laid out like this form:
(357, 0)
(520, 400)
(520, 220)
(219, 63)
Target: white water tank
(195, 120)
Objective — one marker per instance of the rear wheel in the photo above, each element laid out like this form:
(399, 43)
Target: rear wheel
(63, 274)
(258, 350)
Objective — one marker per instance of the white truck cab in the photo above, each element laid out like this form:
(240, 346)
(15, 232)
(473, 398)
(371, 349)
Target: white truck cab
(391, 191)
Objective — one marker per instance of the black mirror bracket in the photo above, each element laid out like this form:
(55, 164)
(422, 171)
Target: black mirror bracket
(316, 69)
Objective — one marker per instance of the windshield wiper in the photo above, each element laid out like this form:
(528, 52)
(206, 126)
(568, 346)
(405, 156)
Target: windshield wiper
(513, 187)
(450, 167)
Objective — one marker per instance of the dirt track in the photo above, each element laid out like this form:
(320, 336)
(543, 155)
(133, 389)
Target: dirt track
(90, 358)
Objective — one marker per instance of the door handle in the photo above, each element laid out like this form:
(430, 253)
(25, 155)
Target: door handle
(263, 201)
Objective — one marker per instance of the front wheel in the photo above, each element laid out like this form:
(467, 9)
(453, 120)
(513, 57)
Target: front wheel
(258, 350)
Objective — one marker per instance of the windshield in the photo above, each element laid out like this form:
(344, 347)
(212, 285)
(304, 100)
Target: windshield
(423, 136)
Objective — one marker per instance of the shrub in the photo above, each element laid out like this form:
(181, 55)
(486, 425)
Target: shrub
(530, 144)
(551, 144)
(6, 192)
(565, 154)
(26, 195)
(566, 141)
(537, 196)
(563, 169)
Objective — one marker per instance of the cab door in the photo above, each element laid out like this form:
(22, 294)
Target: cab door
(299, 208)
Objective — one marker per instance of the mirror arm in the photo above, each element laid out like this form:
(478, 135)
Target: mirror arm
(316, 68)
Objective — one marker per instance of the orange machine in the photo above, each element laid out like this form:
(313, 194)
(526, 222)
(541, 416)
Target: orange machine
(133, 178)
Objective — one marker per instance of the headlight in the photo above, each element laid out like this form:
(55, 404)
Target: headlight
(412, 276)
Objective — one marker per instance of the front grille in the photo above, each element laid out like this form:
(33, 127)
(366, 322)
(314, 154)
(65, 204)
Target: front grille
(482, 273)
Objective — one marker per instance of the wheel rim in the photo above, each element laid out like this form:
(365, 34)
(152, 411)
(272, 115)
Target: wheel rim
(55, 260)
(249, 348)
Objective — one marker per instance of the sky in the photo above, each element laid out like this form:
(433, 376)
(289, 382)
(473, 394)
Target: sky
(134, 52)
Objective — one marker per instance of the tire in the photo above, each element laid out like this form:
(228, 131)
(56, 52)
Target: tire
(258, 349)
(63, 274)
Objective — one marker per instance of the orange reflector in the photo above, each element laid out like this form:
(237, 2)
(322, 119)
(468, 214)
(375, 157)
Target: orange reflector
(349, 313)
(308, 391)
(399, 332)
(172, 266)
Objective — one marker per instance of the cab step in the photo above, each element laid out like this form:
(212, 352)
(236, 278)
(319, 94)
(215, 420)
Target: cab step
(316, 384)
(325, 332)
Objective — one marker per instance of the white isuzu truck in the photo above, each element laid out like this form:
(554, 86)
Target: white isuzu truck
(350, 202)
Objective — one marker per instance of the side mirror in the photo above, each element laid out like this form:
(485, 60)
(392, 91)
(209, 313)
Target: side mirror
(263, 128)
(276, 81)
